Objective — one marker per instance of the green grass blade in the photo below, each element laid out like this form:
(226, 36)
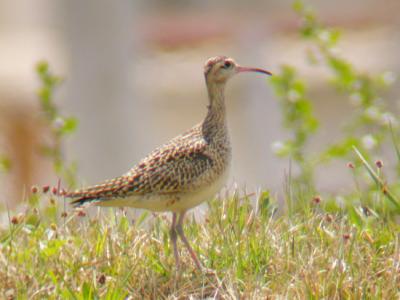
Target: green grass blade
(382, 186)
(394, 140)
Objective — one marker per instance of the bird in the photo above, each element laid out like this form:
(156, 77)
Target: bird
(184, 172)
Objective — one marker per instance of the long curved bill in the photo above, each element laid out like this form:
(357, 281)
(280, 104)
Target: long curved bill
(246, 69)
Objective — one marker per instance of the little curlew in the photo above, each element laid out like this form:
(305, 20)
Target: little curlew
(181, 174)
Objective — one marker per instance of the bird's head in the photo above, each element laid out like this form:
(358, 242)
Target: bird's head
(220, 68)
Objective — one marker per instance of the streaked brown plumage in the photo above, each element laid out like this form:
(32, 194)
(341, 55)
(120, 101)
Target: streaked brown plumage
(184, 172)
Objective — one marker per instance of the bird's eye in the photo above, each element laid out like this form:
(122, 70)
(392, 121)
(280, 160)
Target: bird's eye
(227, 64)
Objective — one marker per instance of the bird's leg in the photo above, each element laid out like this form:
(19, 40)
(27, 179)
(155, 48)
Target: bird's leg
(174, 237)
(179, 229)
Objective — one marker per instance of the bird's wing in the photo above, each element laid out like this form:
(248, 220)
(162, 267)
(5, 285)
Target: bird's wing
(172, 168)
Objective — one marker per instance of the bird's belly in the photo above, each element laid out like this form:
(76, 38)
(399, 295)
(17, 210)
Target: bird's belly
(195, 198)
(177, 202)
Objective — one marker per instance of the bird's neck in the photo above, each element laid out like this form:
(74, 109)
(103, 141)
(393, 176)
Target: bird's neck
(215, 121)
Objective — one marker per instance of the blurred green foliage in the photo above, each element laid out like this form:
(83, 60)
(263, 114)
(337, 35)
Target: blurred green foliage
(298, 117)
(372, 124)
(5, 163)
(59, 125)
(370, 121)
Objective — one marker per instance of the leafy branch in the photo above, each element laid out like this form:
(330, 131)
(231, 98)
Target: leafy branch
(371, 124)
(371, 118)
(60, 126)
(298, 117)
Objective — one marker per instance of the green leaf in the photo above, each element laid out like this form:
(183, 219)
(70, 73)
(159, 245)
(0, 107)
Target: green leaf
(394, 142)
(87, 292)
(70, 125)
(42, 67)
(44, 94)
(334, 37)
(298, 6)
(341, 149)
(330, 37)
(264, 203)
(143, 216)
(344, 71)
(354, 217)
(5, 164)
(52, 248)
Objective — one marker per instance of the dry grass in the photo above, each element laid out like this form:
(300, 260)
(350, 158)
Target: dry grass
(253, 254)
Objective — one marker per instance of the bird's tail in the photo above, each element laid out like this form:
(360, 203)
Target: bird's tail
(97, 193)
(80, 199)
(83, 201)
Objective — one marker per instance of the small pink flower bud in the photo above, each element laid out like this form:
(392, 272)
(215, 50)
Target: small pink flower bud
(81, 213)
(317, 199)
(14, 220)
(101, 279)
(379, 163)
(346, 236)
(54, 190)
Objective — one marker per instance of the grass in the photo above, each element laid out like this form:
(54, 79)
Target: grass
(255, 253)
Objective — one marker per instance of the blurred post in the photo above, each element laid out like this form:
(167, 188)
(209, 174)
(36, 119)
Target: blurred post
(101, 44)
